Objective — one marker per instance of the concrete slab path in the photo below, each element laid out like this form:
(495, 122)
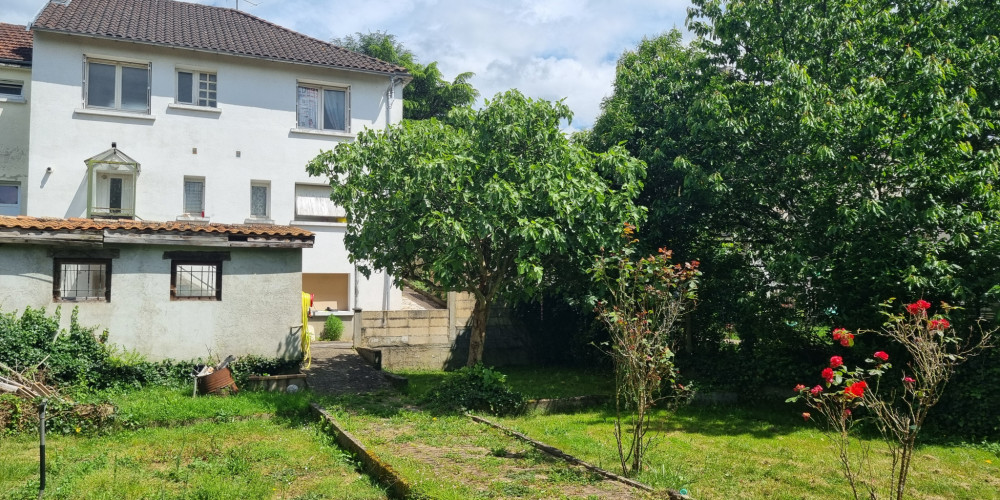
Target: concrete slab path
(338, 369)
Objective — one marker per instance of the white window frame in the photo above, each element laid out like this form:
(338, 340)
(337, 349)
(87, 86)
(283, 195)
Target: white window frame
(118, 64)
(320, 87)
(7, 208)
(196, 74)
(184, 201)
(267, 204)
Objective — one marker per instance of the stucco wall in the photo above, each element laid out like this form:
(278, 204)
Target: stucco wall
(259, 312)
(257, 103)
(14, 114)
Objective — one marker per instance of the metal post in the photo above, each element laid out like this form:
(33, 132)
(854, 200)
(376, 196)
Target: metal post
(41, 448)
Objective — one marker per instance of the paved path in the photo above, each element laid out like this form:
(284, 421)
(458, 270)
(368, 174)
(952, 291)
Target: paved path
(338, 369)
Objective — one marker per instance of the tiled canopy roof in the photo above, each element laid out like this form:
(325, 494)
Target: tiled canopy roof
(201, 27)
(149, 227)
(15, 44)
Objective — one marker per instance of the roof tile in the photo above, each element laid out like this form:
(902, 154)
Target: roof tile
(150, 227)
(15, 44)
(216, 29)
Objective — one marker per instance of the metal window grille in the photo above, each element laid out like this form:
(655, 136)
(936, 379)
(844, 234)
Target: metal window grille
(194, 197)
(258, 201)
(199, 281)
(83, 281)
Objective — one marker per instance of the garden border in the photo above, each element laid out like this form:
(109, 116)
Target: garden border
(556, 452)
(397, 486)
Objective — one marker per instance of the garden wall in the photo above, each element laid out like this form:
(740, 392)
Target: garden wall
(438, 338)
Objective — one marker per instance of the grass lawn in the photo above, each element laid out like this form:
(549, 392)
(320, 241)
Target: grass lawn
(191, 448)
(452, 457)
(718, 452)
(723, 452)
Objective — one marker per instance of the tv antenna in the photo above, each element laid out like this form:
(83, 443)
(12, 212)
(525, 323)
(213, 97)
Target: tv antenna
(247, 1)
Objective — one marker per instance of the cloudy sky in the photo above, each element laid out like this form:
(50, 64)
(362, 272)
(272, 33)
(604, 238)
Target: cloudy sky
(550, 49)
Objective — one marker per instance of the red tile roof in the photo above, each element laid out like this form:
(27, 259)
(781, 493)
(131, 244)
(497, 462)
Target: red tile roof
(150, 227)
(15, 44)
(201, 27)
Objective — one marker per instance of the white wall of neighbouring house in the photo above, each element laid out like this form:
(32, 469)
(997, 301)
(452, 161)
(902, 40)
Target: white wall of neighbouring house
(250, 138)
(259, 313)
(14, 115)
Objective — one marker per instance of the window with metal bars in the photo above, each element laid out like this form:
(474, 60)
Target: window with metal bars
(194, 197)
(195, 280)
(75, 280)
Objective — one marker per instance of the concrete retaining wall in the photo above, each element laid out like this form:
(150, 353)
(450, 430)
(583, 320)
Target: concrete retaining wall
(437, 339)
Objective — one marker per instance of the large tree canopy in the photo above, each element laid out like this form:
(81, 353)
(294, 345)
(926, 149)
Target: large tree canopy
(428, 95)
(485, 201)
(845, 148)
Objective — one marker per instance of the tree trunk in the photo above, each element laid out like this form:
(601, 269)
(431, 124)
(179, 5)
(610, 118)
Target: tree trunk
(477, 338)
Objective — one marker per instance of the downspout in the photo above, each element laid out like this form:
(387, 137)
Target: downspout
(386, 281)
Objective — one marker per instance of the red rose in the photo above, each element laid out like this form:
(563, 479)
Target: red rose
(799, 388)
(827, 374)
(939, 324)
(881, 355)
(805, 415)
(918, 307)
(816, 390)
(856, 390)
(847, 413)
(839, 333)
(836, 361)
(908, 380)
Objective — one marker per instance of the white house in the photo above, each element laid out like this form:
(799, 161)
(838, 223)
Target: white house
(160, 111)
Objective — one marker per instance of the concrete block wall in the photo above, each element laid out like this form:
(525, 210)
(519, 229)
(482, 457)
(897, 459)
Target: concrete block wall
(439, 338)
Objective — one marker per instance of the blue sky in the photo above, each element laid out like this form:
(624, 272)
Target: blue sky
(549, 49)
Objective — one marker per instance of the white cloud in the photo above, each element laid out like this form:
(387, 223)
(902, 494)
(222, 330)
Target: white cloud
(548, 49)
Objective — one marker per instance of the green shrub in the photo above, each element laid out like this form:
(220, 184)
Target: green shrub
(245, 366)
(476, 388)
(333, 328)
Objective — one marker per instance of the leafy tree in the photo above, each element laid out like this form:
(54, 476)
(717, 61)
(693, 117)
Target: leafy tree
(844, 150)
(428, 95)
(485, 201)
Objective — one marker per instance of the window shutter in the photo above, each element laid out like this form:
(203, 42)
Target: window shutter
(314, 202)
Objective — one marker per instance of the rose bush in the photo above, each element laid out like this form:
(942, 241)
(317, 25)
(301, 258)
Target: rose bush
(898, 412)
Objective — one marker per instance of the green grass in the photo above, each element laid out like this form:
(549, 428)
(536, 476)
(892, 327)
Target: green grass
(174, 406)
(251, 445)
(717, 452)
(452, 457)
(533, 382)
(248, 460)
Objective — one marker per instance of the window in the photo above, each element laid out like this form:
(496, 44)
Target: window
(195, 280)
(197, 88)
(82, 280)
(11, 88)
(323, 108)
(117, 85)
(259, 200)
(10, 198)
(194, 197)
(312, 202)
